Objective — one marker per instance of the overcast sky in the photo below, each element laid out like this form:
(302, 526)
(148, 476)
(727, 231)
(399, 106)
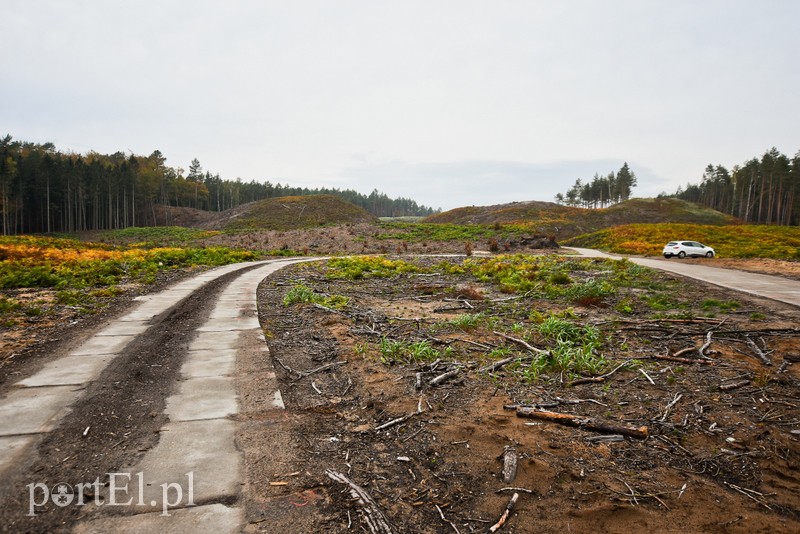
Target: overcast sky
(451, 103)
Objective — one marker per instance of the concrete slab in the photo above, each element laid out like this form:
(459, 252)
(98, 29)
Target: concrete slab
(215, 340)
(35, 410)
(69, 370)
(229, 324)
(12, 448)
(124, 328)
(209, 363)
(102, 345)
(203, 398)
(210, 519)
(203, 448)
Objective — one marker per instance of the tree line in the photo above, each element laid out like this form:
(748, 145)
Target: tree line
(761, 190)
(45, 190)
(601, 191)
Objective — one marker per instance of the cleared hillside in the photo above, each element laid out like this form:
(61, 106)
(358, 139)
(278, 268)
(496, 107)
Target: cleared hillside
(290, 213)
(565, 222)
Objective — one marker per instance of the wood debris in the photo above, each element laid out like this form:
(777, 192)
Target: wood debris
(583, 422)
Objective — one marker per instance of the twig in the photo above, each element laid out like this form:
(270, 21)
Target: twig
(444, 377)
(322, 368)
(733, 385)
(678, 396)
(524, 490)
(707, 344)
(441, 514)
(747, 493)
(393, 422)
(376, 521)
(646, 376)
(760, 353)
(601, 378)
(503, 518)
(523, 343)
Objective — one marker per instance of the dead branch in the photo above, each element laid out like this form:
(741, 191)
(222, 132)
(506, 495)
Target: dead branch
(373, 517)
(502, 363)
(392, 422)
(733, 385)
(760, 353)
(503, 518)
(678, 396)
(441, 514)
(707, 344)
(583, 422)
(509, 464)
(444, 377)
(601, 378)
(682, 360)
(523, 343)
(319, 369)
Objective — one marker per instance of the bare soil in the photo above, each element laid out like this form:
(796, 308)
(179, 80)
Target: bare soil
(715, 460)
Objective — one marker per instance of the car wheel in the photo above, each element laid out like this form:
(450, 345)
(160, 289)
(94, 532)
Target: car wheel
(681, 254)
(709, 254)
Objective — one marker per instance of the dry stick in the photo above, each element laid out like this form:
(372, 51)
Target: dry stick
(503, 518)
(376, 521)
(683, 360)
(601, 378)
(393, 422)
(523, 343)
(322, 368)
(669, 406)
(733, 385)
(441, 514)
(760, 353)
(582, 422)
(444, 377)
(502, 363)
(707, 344)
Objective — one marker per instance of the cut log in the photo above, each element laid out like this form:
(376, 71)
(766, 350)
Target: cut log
(583, 422)
(509, 465)
(373, 517)
(733, 385)
(760, 353)
(444, 377)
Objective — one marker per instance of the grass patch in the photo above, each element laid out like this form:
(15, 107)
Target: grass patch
(301, 293)
(359, 267)
(405, 352)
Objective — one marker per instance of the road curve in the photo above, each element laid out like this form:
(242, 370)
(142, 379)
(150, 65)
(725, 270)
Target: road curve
(762, 285)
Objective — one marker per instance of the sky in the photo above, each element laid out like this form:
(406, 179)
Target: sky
(451, 103)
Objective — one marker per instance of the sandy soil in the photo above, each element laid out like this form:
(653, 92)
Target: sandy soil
(716, 459)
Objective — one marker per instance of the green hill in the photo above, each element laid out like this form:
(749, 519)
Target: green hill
(291, 213)
(564, 221)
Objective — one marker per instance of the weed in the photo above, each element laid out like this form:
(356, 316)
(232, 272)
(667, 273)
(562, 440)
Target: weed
(359, 267)
(300, 293)
(393, 351)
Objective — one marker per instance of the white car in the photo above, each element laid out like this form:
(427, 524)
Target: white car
(687, 248)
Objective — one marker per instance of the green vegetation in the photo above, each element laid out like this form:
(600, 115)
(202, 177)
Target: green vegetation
(297, 212)
(421, 232)
(300, 293)
(565, 222)
(740, 241)
(358, 267)
(157, 236)
(393, 351)
(35, 262)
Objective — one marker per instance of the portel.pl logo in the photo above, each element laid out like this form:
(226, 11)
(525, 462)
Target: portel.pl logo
(117, 494)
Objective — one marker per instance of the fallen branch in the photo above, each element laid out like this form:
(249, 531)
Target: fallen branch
(392, 422)
(675, 358)
(760, 353)
(678, 396)
(733, 385)
(707, 344)
(507, 512)
(582, 422)
(319, 369)
(502, 363)
(523, 343)
(373, 517)
(444, 377)
(601, 378)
